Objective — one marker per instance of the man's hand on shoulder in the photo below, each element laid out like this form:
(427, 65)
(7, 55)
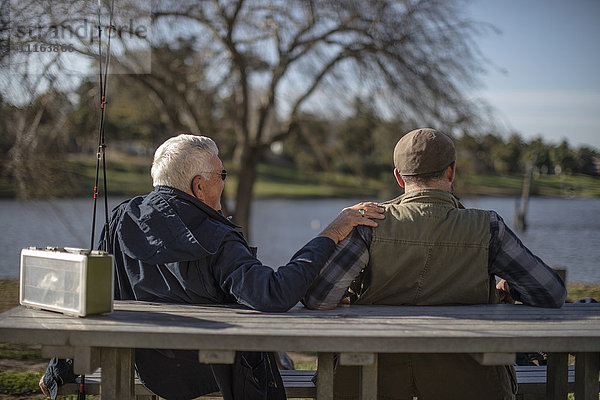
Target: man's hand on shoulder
(349, 217)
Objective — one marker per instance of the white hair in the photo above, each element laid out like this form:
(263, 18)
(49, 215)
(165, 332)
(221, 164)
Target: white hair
(179, 159)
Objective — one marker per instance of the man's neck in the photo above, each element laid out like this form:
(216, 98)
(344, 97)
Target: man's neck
(439, 185)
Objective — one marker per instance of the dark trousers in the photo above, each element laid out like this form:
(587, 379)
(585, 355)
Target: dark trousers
(431, 377)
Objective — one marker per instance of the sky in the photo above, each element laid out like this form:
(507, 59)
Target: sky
(544, 78)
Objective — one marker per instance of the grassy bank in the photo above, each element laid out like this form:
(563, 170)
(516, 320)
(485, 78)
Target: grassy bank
(128, 175)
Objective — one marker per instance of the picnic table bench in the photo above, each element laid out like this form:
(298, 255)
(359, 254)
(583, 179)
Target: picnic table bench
(299, 384)
(492, 334)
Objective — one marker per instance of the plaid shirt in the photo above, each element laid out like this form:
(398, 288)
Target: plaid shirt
(530, 280)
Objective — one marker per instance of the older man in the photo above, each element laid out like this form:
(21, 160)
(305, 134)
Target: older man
(430, 250)
(174, 245)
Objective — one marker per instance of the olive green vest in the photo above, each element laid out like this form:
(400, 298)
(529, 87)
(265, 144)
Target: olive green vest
(429, 250)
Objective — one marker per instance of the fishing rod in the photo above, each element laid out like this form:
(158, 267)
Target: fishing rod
(101, 153)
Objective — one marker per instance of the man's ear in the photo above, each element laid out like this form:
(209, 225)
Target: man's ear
(399, 178)
(196, 186)
(451, 171)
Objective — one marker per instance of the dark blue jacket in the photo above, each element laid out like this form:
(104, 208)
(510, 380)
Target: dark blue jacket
(170, 247)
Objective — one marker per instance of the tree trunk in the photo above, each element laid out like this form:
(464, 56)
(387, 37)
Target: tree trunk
(246, 178)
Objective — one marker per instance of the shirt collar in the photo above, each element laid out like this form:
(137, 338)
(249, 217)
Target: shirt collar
(430, 196)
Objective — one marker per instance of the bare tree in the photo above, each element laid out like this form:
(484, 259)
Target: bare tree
(277, 57)
(267, 61)
(33, 132)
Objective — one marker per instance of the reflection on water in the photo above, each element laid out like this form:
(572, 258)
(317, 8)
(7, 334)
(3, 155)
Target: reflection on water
(563, 232)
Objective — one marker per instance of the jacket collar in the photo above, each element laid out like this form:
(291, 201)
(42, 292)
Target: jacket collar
(430, 196)
(183, 196)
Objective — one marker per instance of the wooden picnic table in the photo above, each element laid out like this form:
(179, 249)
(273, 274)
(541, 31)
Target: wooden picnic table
(492, 334)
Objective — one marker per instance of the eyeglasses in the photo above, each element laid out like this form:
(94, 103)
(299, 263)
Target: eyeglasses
(223, 173)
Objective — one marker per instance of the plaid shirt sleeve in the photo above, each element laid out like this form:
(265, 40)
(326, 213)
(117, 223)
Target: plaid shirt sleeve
(349, 258)
(531, 281)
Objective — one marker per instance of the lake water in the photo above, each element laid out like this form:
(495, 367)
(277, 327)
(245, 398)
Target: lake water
(565, 233)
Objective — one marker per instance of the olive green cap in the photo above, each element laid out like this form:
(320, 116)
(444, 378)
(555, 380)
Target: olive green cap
(423, 151)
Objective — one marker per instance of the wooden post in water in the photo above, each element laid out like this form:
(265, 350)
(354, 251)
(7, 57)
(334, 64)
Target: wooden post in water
(521, 206)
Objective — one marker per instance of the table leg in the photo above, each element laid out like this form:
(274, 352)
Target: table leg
(587, 366)
(367, 363)
(557, 378)
(117, 374)
(325, 376)
(368, 380)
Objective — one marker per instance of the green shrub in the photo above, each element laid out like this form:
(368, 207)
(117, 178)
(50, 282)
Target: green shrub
(19, 383)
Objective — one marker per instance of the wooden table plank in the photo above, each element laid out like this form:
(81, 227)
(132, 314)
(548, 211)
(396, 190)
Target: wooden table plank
(219, 330)
(400, 329)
